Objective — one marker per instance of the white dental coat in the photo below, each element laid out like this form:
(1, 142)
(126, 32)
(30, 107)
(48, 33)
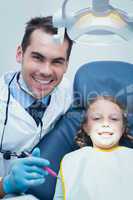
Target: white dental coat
(21, 132)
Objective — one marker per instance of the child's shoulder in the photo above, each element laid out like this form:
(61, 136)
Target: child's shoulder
(126, 149)
(88, 150)
(78, 153)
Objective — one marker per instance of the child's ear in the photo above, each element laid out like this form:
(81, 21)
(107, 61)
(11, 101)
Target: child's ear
(124, 131)
(86, 128)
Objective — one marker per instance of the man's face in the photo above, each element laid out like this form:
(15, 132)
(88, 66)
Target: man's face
(104, 124)
(43, 63)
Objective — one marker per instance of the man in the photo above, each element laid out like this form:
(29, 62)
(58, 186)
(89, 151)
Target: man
(40, 86)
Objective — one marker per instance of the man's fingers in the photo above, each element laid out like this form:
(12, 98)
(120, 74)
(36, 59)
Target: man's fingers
(35, 169)
(35, 182)
(36, 152)
(40, 162)
(33, 175)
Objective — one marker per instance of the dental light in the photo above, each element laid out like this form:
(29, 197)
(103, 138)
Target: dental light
(99, 19)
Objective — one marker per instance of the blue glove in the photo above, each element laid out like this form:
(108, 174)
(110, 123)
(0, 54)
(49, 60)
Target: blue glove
(25, 173)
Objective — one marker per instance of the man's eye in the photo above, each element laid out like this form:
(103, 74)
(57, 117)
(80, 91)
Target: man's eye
(37, 58)
(60, 62)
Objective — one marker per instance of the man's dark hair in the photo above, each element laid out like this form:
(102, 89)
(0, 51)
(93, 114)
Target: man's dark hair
(45, 24)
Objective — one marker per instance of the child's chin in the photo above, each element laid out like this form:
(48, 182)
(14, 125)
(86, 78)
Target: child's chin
(106, 145)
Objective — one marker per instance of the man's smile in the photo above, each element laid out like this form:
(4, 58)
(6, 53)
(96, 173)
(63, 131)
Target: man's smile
(42, 81)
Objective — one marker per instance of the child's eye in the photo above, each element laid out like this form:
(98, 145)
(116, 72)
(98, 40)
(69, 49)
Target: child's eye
(96, 118)
(115, 118)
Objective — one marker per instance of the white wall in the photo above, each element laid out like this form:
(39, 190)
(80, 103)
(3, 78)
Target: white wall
(87, 53)
(14, 14)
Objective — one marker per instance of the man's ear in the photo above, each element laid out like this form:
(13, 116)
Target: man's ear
(19, 54)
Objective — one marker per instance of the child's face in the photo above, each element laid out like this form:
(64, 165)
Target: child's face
(104, 124)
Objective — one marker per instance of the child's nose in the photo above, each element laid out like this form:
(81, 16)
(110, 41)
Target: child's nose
(105, 124)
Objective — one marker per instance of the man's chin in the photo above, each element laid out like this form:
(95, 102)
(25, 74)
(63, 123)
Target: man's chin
(40, 95)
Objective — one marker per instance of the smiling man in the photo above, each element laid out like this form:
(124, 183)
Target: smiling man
(43, 63)
(31, 101)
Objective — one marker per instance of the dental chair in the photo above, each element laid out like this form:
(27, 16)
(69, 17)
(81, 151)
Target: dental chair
(101, 77)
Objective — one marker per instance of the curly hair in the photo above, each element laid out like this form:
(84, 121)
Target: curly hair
(82, 139)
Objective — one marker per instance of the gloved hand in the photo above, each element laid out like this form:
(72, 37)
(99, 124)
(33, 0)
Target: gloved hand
(25, 173)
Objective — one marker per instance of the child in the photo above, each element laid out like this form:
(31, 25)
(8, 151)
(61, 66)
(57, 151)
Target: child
(104, 171)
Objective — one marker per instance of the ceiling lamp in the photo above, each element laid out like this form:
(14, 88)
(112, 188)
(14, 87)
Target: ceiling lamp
(99, 19)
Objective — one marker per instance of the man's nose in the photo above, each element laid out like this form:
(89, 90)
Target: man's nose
(46, 69)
